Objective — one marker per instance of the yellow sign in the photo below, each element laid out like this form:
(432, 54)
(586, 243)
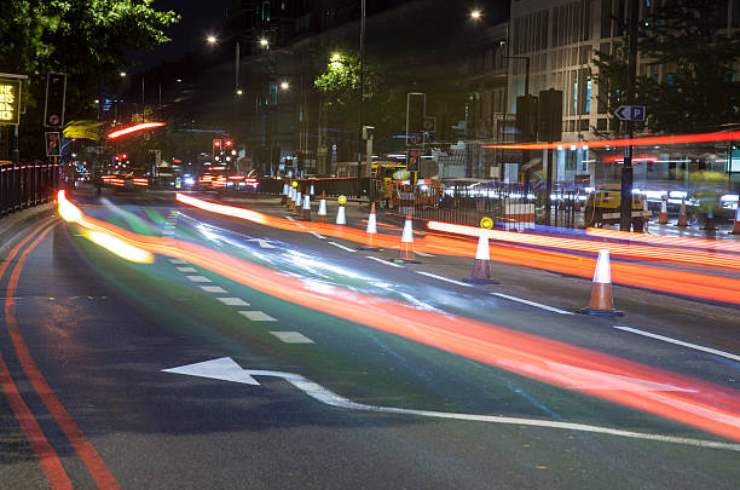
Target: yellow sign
(294, 184)
(486, 223)
(10, 101)
(342, 200)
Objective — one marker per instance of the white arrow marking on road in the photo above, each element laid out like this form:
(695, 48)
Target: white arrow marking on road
(226, 369)
(262, 242)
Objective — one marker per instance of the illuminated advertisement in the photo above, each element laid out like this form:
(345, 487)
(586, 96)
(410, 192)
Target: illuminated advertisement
(10, 101)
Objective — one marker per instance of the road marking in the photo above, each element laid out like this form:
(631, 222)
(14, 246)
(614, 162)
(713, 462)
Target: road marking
(257, 316)
(320, 237)
(213, 289)
(442, 278)
(229, 301)
(186, 269)
(339, 245)
(227, 369)
(262, 242)
(177, 261)
(198, 278)
(532, 303)
(289, 218)
(708, 350)
(423, 254)
(292, 337)
(385, 262)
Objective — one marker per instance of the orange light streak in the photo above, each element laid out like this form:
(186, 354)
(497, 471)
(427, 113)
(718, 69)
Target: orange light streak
(135, 129)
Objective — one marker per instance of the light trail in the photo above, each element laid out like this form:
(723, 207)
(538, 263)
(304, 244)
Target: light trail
(692, 402)
(135, 129)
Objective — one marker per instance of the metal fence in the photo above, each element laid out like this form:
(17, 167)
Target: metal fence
(26, 185)
(352, 187)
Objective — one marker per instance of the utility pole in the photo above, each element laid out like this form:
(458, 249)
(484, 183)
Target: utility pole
(625, 222)
(360, 171)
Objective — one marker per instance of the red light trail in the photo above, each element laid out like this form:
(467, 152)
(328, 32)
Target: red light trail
(135, 129)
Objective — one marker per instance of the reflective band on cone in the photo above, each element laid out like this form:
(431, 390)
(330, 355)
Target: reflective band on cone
(602, 300)
(481, 273)
(307, 208)
(663, 216)
(736, 226)
(406, 249)
(683, 219)
(341, 218)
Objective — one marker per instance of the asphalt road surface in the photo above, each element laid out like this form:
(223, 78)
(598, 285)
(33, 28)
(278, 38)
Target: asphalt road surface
(171, 375)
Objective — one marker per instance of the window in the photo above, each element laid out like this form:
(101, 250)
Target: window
(606, 18)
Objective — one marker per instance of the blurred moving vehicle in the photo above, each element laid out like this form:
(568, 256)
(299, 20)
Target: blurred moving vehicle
(603, 208)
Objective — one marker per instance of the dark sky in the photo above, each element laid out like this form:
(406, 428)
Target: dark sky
(199, 17)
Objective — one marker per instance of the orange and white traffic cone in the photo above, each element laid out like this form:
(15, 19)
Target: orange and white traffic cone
(663, 216)
(481, 273)
(683, 219)
(406, 254)
(736, 225)
(297, 201)
(341, 216)
(307, 207)
(371, 230)
(284, 197)
(602, 300)
(322, 209)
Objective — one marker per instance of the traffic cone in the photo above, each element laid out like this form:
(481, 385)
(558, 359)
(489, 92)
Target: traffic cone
(312, 193)
(291, 198)
(371, 230)
(286, 191)
(482, 266)
(406, 254)
(297, 201)
(736, 225)
(663, 216)
(341, 217)
(322, 209)
(602, 300)
(683, 219)
(709, 224)
(307, 207)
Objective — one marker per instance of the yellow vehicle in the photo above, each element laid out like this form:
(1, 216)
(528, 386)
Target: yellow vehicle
(604, 204)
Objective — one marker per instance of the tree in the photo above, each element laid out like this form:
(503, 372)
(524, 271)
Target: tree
(90, 40)
(698, 90)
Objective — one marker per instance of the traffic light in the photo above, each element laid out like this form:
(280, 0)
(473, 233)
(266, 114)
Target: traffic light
(551, 115)
(216, 149)
(56, 88)
(526, 117)
(228, 143)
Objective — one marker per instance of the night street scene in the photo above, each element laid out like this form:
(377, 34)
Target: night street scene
(370, 244)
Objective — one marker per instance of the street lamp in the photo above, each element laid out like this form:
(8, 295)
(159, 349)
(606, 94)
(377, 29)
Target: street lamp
(284, 85)
(211, 39)
(264, 42)
(476, 14)
(239, 91)
(123, 74)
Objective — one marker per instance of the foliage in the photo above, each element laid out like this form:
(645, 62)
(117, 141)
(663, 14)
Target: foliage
(340, 83)
(698, 90)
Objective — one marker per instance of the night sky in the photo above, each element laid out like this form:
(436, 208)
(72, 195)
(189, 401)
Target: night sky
(199, 17)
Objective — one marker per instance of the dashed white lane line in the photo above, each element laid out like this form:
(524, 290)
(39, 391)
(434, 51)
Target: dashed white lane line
(655, 336)
(339, 245)
(231, 301)
(443, 278)
(213, 289)
(385, 262)
(198, 278)
(423, 254)
(257, 316)
(177, 262)
(186, 269)
(292, 337)
(320, 237)
(532, 303)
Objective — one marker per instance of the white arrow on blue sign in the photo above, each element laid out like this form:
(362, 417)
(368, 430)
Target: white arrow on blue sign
(630, 112)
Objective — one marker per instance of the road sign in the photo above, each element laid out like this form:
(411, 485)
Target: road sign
(429, 124)
(342, 200)
(56, 89)
(630, 112)
(10, 101)
(486, 223)
(53, 146)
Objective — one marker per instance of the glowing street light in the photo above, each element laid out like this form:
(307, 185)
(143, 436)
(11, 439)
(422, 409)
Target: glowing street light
(476, 14)
(211, 39)
(264, 42)
(123, 74)
(284, 85)
(239, 91)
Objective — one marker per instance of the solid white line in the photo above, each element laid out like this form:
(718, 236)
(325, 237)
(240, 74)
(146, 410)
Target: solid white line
(442, 278)
(292, 337)
(257, 316)
(385, 262)
(423, 254)
(320, 237)
(186, 269)
(177, 262)
(198, 278)
(213, 289)
(339, 245)
(233, 301)
(532, 303)
(708, 350)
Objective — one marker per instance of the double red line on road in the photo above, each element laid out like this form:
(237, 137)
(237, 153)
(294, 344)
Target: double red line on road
(49, 459)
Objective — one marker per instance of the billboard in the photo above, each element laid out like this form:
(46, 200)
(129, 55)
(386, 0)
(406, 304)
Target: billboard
(10, 101)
